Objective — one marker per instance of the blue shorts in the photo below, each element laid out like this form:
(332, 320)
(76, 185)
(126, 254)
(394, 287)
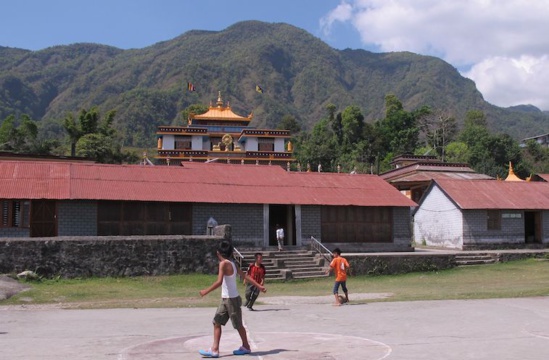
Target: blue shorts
(343, 286)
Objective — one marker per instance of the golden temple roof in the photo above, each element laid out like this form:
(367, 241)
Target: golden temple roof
(512, 176)
(220, 112)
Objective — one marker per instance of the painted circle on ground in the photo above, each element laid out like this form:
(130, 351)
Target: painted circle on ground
(538, 329)
(265, 345)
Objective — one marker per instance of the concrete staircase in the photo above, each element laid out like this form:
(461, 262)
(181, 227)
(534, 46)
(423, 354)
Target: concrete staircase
(475, 259)
(288, 264)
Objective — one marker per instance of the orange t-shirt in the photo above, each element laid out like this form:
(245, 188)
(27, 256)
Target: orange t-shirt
(340, 266)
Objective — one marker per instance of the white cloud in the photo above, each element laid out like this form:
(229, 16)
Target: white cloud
(342, 13)
(502, 42)
(513, 81)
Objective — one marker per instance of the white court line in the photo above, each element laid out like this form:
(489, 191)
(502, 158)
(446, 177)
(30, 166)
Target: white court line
(124, 352)
(253, 344)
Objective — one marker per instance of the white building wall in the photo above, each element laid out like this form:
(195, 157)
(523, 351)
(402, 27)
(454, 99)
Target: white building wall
(197, 143)
(252, 144)
(438, 222)
(279, 144)
(168, 142)
(545, 227)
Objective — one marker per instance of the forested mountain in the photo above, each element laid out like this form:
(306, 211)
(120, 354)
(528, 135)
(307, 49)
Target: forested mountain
(299, 74)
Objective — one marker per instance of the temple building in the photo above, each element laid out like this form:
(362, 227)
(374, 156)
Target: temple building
(412, 174)
(223, 136)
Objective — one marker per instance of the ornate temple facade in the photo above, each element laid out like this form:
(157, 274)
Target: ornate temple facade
(221, 135)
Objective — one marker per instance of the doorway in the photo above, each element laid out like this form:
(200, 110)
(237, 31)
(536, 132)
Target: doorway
(532, 227)
(43, 218)
(283, 215)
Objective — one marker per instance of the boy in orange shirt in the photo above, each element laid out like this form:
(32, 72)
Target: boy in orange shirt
(340, 266)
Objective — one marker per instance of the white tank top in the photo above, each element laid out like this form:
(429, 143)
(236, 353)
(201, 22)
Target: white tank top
(228, 287)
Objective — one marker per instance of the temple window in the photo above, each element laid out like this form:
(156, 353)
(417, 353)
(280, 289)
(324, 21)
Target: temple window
(266, 144)
(183, 143)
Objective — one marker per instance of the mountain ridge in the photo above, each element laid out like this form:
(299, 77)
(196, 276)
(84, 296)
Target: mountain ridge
(299, 73)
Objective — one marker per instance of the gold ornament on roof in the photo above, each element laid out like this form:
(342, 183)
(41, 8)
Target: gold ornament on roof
(512, 176)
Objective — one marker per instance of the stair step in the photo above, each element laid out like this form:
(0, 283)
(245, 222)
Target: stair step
(474, 257)
(301, 264)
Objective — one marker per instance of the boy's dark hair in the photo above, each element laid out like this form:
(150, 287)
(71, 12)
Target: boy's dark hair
(257, 254)
(225, 249)
(337, 251)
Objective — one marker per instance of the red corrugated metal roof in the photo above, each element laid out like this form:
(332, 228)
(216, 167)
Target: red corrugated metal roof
(425, 171)
(493, 194)
(193, 182)
(432, 175)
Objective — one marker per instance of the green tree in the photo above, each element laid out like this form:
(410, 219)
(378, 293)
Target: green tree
(74, 131)
(8, 133)
(290, 123)
(196, 109)
(490, 154)
(457, 152)
(24, 137)
(352, 123)
(536, 157)
(318, 147)
(94, 137)
(398, 131)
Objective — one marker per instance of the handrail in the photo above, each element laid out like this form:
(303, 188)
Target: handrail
(317, 245)
(238, 257)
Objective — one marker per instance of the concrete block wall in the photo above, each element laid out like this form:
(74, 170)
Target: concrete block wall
(77, 218)
(545, 227)
(310, 223)
(246, 221)
(402, 226)
(14, 232)
(475, 231)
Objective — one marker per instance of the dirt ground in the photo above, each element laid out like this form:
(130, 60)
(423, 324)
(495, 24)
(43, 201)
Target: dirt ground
(10, 287)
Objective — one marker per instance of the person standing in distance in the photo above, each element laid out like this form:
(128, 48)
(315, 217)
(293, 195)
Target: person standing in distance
(279, 237)
(257, 272)
(340, 266)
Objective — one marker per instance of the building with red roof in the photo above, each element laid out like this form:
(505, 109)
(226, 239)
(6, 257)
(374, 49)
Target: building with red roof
(412, 174)
(471, 214)
(356, 212)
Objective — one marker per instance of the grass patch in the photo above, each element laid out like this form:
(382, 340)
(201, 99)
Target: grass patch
(513, 279)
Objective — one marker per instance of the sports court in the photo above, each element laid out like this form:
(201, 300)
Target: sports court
(286, 328)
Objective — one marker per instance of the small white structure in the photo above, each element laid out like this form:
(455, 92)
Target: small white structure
(474, 214)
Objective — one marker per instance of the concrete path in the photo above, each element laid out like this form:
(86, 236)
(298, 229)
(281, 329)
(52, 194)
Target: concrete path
(471, 329)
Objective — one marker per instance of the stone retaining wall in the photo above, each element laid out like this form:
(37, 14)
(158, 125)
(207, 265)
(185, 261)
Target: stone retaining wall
(398, 264)
(101, 256)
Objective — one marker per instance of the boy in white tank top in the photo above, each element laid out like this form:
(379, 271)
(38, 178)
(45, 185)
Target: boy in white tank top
(230, 301)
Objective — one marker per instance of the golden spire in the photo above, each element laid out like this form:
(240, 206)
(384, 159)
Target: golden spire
(219, 100)
(512, 176)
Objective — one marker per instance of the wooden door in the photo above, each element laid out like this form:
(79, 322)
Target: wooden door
(43, 219)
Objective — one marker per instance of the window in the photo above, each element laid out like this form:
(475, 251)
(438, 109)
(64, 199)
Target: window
(183, 143)
(143, 218)
(15, 213)
(353, 224)
(266, 144)
(494, 219)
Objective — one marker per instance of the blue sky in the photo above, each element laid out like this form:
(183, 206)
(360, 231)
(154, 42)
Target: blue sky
(37, 24)
(499, 44)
